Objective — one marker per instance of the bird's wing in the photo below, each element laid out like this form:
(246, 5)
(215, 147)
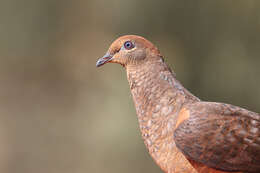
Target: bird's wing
(220, 136)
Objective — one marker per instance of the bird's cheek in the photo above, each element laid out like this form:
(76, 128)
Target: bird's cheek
(139, 54)
(118, 58)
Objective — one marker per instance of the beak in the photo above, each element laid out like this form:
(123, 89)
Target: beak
(106, 58)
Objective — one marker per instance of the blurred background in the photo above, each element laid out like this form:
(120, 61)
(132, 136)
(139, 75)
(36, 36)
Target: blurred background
(60, 114)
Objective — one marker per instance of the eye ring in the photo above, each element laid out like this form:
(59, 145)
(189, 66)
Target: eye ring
(128, 45)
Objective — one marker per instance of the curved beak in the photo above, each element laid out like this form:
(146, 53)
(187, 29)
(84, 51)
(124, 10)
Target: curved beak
(106, 58)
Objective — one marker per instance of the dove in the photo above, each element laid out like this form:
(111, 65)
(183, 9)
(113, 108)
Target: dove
(182, 133)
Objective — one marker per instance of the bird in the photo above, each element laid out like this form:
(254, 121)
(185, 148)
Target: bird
(182, 133)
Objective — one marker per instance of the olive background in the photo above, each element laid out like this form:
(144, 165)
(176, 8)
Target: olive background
(61, 114)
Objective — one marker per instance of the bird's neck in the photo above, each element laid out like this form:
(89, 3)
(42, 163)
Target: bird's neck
(158, 97)
(155, 90)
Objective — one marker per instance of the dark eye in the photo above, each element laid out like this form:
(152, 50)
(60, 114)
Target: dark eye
(128, 45)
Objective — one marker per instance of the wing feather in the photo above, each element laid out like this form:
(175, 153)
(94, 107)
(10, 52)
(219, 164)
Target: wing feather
(220, 136)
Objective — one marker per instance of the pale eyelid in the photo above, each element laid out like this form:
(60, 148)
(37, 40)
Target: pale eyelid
(123, 47)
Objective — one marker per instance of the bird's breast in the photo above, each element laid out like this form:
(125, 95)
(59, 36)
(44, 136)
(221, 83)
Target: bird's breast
(157, 119)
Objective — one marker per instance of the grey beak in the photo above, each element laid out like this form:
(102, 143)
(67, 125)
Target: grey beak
(101, 61)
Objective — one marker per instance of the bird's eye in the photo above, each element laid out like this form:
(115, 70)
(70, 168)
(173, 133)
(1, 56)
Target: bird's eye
(128, 45)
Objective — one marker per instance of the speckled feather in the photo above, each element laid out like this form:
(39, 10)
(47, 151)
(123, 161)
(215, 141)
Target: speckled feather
(221, 136)
(157, 103)
(182, 133)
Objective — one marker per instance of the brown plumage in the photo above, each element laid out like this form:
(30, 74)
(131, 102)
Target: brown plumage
(182, 133)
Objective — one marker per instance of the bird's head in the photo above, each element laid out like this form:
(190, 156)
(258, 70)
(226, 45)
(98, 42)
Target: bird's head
(129, 50)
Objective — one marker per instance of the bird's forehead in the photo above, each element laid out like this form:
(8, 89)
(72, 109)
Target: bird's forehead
(117, 44)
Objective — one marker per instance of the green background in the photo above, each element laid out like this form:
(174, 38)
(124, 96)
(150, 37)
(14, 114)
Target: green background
(61, 114)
